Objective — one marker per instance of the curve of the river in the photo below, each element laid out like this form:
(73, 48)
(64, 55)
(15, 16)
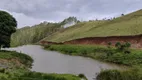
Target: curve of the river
(54, 62)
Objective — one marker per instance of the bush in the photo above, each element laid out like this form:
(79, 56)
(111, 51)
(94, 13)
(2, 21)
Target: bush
(81, 75)
(123, 47)
(119, 75)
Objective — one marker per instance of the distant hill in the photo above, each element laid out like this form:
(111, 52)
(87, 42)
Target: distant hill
(29, 35)
(130, 24)
(33, 34)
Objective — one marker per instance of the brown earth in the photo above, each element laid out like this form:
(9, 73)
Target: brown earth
(136, 40)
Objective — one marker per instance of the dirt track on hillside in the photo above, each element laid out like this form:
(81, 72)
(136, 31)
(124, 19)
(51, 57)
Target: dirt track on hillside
(136, 41)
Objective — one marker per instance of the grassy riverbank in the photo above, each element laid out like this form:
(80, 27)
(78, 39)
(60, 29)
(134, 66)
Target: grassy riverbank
(101, 53)
(108, 54)
(16, 66)
(120, 75)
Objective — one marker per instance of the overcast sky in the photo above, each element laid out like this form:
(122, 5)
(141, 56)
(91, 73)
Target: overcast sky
(30, 12)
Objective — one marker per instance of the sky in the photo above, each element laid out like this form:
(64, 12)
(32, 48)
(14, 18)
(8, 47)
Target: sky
(31, 12)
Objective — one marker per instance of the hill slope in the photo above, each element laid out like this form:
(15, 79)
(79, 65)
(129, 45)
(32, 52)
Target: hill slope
(125, 25)
(29, 35)
(33, 34)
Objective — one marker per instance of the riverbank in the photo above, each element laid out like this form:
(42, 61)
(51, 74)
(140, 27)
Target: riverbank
(108, 54)
(16, 66)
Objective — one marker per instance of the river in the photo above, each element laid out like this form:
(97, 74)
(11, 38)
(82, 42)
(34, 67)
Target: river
(55, 62)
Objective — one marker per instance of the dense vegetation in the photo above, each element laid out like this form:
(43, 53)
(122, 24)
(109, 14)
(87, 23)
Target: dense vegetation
(43, 76)
(119, 75)
(120, 54)
(8, 26)
(125, 25)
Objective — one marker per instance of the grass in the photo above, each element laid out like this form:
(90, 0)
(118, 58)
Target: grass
(16, 57)
(29, 75)
(44, 76)
(119, 75)
(39, 76)
(125, 25)
(108, 54)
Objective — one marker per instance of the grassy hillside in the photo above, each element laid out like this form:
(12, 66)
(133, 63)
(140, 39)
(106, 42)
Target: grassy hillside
(29, 35)
(129, 24)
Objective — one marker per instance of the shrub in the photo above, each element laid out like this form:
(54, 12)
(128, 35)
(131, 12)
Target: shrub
(81, 75)
(109, 45)
(123, 47)
(119, 75)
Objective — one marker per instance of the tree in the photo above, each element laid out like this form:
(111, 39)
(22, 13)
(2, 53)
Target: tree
(122, 14)
(8, 26)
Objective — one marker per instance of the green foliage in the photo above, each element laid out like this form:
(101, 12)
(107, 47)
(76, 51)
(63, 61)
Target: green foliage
(109, 45)
(123, 47)
(82, 76)
(29, 75)
(43, 76)
(127, 45)
(119, 75)
(8, 26)
(118, 45)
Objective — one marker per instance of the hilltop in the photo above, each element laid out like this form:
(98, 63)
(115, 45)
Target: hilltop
(129, 24)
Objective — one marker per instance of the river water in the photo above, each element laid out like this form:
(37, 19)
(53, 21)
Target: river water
(55, 62)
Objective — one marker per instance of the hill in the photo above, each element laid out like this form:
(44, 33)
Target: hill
(129, 24)
(33, 34)
(29, 35)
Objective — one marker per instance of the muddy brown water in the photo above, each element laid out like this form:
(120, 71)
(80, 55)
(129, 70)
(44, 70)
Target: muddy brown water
(55, 62)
